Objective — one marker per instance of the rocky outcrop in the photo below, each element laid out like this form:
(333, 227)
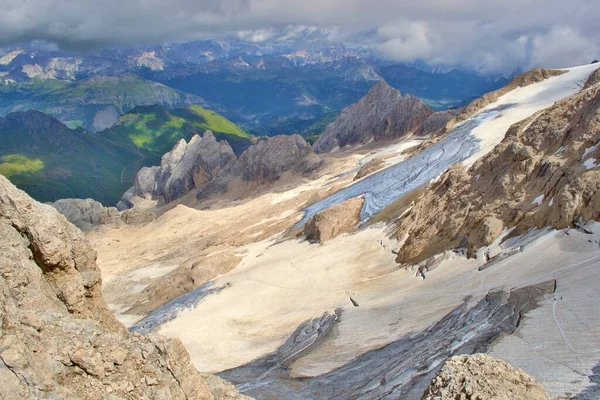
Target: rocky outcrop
(368, 168)
(210, 167)
(268, 159)
(479, 376)
(188, 166)
(334, 221)
(436, 123)
(88, 214)
(382, 114)
(191, 165)
(543, 173)
(57, 338)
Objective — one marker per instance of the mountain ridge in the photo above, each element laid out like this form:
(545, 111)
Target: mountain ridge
(382, 114)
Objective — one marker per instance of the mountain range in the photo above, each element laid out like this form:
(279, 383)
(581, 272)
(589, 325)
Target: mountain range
(266, 88)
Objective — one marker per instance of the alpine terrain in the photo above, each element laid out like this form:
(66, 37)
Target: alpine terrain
(300, 200)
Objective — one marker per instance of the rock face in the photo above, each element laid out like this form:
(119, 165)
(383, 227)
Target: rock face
(436, 122)
(479, 376)
(267, 160)
(372, 166)
(382, 114)
(186, 167)
(57, 338)
(543, 173)
(334, 221)
(209, 167)
(88, 214)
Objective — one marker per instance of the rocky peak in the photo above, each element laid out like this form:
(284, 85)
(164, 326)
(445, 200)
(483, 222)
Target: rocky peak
(40, 129)
(382, 89)
(383, 114)
(186, 167)
(209, 167)
(33, 119)
(268, 159)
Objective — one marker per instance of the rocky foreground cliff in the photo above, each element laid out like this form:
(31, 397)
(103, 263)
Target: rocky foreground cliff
(57, 337)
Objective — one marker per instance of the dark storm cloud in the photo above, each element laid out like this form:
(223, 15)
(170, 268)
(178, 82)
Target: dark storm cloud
(491, 36)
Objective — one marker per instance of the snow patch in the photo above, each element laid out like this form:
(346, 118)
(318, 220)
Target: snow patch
(538, 200)
(590, 163)
(589, 150)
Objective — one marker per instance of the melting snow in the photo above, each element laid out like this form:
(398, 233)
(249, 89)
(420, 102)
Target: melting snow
(538, 200)
(590, 163)
(589, 150)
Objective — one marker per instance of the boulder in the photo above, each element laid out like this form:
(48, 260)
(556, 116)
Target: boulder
(368, 168)
(334, 221)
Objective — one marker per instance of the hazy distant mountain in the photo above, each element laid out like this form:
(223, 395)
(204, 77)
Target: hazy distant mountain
(94, 103)
(253, 84)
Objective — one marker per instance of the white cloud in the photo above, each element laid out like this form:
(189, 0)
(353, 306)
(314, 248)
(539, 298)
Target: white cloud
(256, 36)
(407, 41)
(561, 45)
(491, 36)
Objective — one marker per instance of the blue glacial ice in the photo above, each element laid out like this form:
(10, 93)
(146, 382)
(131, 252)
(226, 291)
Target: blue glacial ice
(386, 186)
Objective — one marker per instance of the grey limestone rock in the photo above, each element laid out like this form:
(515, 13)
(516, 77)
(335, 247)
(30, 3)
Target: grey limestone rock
(87, 214)
(384, 113)
(268, 159)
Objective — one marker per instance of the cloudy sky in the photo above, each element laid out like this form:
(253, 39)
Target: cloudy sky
(492, 36)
